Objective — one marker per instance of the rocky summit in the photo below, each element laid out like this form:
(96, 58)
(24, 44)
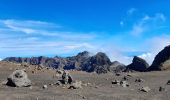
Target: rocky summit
(138, 64)
(99, 63)
(162, 60)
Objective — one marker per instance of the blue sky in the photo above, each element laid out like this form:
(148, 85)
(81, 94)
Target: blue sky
(120, 28)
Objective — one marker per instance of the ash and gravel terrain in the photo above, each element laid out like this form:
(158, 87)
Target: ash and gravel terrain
(99, 87)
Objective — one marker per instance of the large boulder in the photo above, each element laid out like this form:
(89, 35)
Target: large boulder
(138, 64)
(66, 78)
(161, 61)
(18, 78)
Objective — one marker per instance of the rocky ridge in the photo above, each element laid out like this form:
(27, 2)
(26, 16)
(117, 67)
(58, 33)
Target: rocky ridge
(98, 63)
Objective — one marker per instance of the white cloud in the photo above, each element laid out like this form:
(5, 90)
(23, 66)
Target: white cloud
(76, 46)
(26, 37)
(31, 27)
(147, 23)
(131, 11)
(148, 57)
(153, 46)
(121, 23)
(137, 30)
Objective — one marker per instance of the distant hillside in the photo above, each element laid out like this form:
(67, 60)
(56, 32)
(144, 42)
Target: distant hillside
(99, 63)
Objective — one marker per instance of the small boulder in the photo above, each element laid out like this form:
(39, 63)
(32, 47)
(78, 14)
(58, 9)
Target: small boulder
(45, 86)
(116, 82)
(161, 89)
(18, 78)
(76, 85)
(124, 84)
(125, 78)
(59, 71)
(139, 80)
(168, 83)
(145, 89)
(58, 83)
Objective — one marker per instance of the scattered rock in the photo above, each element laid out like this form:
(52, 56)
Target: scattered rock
(139, 80)
(117, 74)
(67, 78)
(168, 83)
(58, 83)
(76, 85)
(96, 87)
(116, 82)
(129, 75)
(45, 86)
(51, 84)
(124, 84)
(125, 78)
(145, 89)
(33, 72)
(18, 78)
(161, 89)
(60, 71)
(83, 97)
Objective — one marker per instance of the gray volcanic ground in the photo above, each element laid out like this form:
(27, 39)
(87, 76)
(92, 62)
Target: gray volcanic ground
(98, 87)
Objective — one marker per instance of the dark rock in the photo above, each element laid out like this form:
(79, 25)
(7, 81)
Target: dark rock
(99, 63)
(168, 82)
(124, 84)
(139, 80)
(116, 82)
(138, 64)
(161, 89)
(161, 61)
(67, 78)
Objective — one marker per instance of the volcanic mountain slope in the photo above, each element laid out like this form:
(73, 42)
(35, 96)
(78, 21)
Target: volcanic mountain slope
(162, 60)
(99, 63)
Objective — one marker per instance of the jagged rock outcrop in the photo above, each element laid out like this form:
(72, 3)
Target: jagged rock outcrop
(99, 63)
(161, 61)
(77, 61)
(138, 64)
